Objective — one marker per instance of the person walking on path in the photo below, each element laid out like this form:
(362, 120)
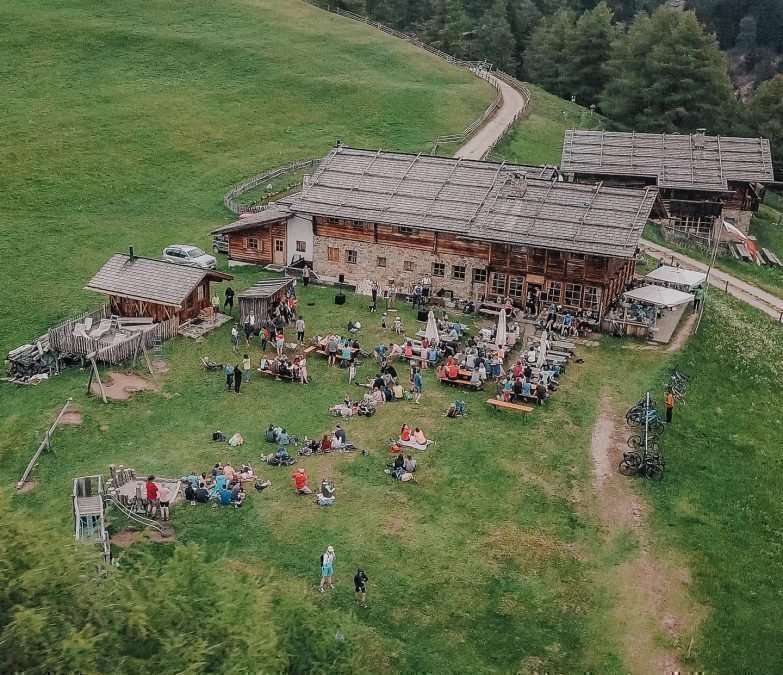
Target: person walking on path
(418, 385)
(229, 376)
(360, 584)
(327, 568)
(698, 298)
(669, 403)
(246, 367)
(229, 301)
(237, 378)
(306, 276)
(300, 329)
(235, 339)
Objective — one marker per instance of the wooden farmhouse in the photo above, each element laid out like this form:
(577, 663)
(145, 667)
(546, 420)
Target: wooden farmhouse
(475, 228)
(162, 290)
(702, 179)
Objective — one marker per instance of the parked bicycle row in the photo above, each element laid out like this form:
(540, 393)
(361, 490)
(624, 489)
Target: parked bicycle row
(644, 457)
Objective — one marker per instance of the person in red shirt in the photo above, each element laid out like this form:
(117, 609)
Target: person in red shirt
(669, 404)
(453, 371)
(152, 494)
(300, 482)
(405, 433)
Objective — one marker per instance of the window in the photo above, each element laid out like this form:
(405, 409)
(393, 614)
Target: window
(457, 271)
(351, 256)
(405, 230)
(516, 286)
(252, 243)
(279, 245)
(200, 292)
(576, 256)
(301, 246)
(332, 254)
(438, 269)
(479, 275)
(554, 292)
(592, 299)
(499, 283)
(573, 295)
(408, 266)
(332, 221)
(381, 262)
(357, 224)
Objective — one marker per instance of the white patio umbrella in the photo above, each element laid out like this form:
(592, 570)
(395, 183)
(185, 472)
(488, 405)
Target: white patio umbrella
(500, 334)
(431, 331)
(542, 349)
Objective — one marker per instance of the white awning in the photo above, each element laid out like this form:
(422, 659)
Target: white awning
(678, 276)
(658, 296)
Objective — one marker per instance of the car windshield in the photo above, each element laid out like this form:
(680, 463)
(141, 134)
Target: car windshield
(196, 253)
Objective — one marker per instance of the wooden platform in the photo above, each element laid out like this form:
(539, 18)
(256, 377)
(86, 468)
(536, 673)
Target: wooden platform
(89, 506)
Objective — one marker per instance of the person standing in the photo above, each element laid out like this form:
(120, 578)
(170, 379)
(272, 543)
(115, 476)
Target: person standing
(264, 338)
(229, 376)
(164, 500)
(418, 385)
(237, 378)
(215, 303)
(669, 404)
(360, 584)
(698, 297)
(374, 294)
(280, 343)
(303, 375)
(306, 276)
(235, 339)
(229, 301)
(327, 568)
(246, 367)
(300, 329)
(351, 370)
(152, 494)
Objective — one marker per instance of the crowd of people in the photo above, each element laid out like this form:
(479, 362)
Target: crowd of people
(223, 484)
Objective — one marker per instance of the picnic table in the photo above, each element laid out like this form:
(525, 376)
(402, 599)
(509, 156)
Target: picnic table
(505, 405)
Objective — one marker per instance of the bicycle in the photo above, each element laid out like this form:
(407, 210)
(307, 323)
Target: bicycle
(637, 443)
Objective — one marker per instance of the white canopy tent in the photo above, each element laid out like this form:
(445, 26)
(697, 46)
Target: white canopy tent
(431, 331)
(677, 276)
(500, 334)
(659, 296)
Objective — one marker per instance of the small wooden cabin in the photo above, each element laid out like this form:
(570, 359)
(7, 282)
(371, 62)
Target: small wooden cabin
(702, 179)
(258, 238)
(137, 286)
(259, 298)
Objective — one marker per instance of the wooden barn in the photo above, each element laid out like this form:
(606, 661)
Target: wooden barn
(474, 228)
(259, 238)
(702, 179)
(257, 300)
(137, 286)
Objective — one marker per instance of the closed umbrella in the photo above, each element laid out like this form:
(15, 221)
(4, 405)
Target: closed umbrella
(500, 334)
(431, 331)
(542, 349)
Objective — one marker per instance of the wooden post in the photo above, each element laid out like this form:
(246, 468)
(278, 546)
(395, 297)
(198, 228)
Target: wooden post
(44, 445)
(147, 359)
(136, 349)
(98, 379)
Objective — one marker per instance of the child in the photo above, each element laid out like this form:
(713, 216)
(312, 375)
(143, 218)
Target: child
(360, 584)
(398, 325)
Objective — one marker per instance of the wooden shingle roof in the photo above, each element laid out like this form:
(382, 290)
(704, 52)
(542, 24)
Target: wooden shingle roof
(482, 201)
(150, 280)
(271, 214)
(694, 162)
(266, 288)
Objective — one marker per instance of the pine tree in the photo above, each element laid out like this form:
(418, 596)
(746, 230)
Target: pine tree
(494, 40)
(524, 18)
(668, 75)
(766, 107)
(586, 53)
(544, 56)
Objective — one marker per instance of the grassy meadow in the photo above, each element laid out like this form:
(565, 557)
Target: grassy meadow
(125, 124)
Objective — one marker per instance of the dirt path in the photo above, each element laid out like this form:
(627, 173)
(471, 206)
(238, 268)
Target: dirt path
(654, 615)
(742, 290)
(486, 137)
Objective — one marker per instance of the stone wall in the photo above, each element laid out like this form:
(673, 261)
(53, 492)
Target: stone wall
(740, 218)
(366, 266)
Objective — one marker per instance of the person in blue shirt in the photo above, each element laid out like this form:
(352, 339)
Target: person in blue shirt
(418, 386)
(225, 496)
(229, 376)
(432, 355)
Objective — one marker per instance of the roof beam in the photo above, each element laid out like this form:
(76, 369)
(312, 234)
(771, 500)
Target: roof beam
(581, 223)
(360, 176)
(443, 185)
(399, 183)
(486, 194)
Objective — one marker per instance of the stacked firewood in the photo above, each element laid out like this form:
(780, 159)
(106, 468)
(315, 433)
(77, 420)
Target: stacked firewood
(29, 364)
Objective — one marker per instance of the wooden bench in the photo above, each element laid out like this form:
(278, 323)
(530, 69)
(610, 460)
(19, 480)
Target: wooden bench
(519, 407)
(269, 373)
(460, 383)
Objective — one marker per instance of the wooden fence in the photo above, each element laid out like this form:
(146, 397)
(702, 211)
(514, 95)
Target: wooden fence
(230, 200)
(61, 338)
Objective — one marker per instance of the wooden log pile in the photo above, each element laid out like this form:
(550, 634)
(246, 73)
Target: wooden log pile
(31, 363)
(119, 476)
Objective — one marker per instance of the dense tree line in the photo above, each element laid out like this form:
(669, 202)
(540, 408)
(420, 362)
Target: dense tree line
(651, 65)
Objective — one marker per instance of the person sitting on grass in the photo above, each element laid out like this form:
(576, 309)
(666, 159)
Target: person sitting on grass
(389, 370)
(548, 378)
(220, 482)
(237, 495)
(300, 482)
(409, 464)
(419, 437)
(405, 433)
(388, 394)
(398, 391)
(190, 493)
(475, 378)
(394, 349)
(202, 494)
(540, 393)
(283, 438)
(378, 397)
(224, 496)
(326, 495)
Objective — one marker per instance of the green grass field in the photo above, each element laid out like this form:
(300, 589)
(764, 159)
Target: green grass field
(126, 125)
(538, 136)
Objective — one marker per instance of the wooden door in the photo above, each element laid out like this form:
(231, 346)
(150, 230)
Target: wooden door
(278, 252)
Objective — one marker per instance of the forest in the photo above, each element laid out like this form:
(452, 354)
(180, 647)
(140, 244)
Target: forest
(649, 65)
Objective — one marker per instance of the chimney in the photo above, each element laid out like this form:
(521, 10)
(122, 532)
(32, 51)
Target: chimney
(698, 139)
(131, 254)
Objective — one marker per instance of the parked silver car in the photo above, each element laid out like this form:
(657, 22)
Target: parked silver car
(185, 254)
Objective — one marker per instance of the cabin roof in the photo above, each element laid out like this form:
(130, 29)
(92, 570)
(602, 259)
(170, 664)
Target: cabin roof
(150, 280)
(692, 162)
(483, 201)
(266, 288)
(270, 214)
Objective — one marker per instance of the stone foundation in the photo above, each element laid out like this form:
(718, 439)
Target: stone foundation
(366, 266)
